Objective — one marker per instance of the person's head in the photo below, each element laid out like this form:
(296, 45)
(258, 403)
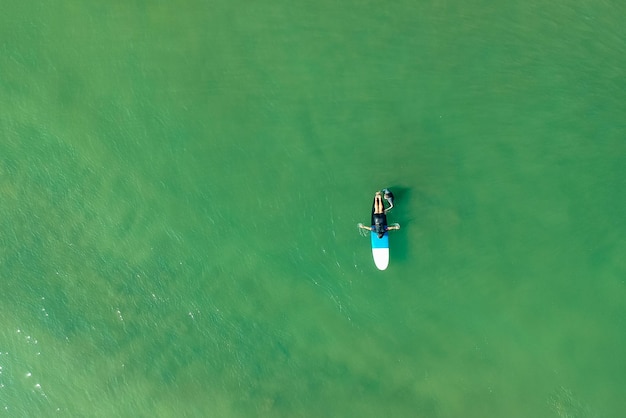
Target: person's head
(381, 234)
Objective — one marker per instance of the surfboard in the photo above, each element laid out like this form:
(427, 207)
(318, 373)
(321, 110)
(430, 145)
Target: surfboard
(380, 250)
(380, 246)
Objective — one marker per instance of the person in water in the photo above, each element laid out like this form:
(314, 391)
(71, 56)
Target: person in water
(379, 219)
(389, 198)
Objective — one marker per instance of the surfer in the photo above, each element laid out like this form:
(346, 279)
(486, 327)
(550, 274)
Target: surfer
(389, 198)
(379, 219)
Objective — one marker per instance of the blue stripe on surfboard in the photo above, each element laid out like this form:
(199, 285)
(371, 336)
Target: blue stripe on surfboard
(380, 242)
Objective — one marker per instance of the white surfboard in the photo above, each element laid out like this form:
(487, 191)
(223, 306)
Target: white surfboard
(380, 250)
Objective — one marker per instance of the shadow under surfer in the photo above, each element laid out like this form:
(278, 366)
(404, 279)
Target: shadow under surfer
(379, 218)
(389, 198)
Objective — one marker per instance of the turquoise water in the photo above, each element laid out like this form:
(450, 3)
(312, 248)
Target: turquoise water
(181, 182)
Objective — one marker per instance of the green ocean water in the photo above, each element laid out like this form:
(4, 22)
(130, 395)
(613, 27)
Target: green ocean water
(180, 185)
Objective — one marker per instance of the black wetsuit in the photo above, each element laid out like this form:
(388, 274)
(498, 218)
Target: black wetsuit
(379, 221)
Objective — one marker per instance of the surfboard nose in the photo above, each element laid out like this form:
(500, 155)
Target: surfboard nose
(381, 258)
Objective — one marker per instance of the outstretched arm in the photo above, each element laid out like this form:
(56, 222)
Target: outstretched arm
(365, 227)
(394, 226)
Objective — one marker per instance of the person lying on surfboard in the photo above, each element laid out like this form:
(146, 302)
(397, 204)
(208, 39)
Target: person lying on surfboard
(389, 198)
(379, 219)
